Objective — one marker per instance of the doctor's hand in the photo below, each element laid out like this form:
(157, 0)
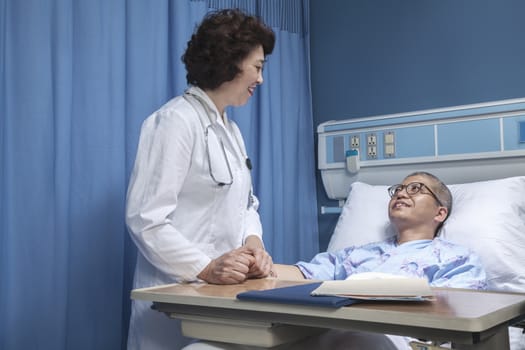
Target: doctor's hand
(229, 268)
(262, 265)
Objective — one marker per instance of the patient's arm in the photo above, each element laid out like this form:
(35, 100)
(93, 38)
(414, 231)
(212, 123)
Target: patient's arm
(287, 272)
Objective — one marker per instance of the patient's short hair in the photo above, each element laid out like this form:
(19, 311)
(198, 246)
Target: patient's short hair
(440, 190)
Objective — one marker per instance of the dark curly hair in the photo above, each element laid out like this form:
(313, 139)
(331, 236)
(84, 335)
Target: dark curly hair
(220, 43)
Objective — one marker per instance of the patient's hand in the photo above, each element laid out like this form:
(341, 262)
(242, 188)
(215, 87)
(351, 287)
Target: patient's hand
(229, 268)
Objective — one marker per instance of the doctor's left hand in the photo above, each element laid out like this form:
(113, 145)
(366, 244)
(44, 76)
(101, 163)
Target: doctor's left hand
(263, 263)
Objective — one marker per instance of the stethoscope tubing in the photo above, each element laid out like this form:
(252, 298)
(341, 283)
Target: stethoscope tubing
(207, 125)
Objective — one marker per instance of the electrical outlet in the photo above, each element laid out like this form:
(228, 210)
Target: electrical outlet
(354, 141)
(371, 139)
(371, 152)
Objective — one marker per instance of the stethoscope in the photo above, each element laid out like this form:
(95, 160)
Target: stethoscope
(210, 133)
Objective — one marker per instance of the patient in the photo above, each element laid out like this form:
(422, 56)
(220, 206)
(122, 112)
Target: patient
(417, 209)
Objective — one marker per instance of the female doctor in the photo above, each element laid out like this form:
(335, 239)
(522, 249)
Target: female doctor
(190, 208)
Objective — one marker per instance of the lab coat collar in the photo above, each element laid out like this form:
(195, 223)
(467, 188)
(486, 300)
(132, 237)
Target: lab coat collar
(204, 98)
(231, 135)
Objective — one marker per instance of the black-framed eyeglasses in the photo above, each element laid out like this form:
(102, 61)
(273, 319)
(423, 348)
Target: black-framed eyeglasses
(412, 188)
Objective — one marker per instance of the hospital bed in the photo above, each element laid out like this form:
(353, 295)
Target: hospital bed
(479, 150)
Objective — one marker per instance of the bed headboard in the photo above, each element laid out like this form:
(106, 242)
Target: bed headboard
(458, 144)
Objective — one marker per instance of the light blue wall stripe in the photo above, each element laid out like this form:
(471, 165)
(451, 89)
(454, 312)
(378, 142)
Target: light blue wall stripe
(469, 137)
(454, 137)
(415, 142)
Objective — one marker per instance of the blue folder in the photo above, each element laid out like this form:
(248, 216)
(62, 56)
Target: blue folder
(298, 295)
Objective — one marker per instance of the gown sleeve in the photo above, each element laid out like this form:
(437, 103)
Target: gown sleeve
(463, 270)
(327, 265)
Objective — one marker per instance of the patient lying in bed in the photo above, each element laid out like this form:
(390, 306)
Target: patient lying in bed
(488, 217)
(417, 209)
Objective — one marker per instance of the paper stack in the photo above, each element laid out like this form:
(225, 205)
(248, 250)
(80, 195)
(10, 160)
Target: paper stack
(378, 286)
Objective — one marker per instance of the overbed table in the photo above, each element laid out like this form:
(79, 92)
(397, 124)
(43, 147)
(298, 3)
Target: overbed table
(469, 319)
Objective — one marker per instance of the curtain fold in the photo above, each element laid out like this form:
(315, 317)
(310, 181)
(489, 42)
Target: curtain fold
(288, 16)
(77, 78)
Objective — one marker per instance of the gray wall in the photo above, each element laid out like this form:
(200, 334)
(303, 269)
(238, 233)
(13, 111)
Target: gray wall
(374, 57)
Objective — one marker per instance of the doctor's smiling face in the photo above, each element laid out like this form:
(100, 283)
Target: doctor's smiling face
(237, 91)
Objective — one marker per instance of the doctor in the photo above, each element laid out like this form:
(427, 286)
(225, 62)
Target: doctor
(190, 208)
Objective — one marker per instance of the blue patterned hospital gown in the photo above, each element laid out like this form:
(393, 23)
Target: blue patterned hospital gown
(443, 263)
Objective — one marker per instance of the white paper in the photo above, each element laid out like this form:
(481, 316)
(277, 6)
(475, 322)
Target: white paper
(377, 286)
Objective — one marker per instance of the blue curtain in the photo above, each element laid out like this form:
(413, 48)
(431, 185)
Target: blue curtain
(77, 78)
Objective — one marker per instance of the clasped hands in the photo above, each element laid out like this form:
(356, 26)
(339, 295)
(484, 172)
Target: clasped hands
(237, 266)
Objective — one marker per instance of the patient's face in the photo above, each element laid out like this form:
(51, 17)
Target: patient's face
(417, 210)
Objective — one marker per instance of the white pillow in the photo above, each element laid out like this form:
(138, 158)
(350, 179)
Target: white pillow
(487, 216)
(364, 217)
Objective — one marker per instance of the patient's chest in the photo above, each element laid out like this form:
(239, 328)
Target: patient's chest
(419, 258)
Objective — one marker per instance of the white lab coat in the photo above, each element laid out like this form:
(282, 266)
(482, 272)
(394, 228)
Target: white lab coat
(177, 215)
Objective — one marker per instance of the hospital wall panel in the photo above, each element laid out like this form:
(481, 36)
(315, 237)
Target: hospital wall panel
(438, 140)
(414, 141)
(473, 136)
